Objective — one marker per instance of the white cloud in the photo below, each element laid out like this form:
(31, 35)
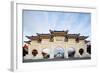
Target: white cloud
(42, 21)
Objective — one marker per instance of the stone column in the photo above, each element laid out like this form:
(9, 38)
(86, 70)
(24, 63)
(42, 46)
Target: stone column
(65, 53)
(52, 53)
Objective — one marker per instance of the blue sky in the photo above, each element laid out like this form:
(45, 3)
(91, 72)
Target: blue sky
(42, 21)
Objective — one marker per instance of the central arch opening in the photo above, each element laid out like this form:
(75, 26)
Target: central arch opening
(58, 52)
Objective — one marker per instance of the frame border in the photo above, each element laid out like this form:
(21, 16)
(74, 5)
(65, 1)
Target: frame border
(14, 30)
